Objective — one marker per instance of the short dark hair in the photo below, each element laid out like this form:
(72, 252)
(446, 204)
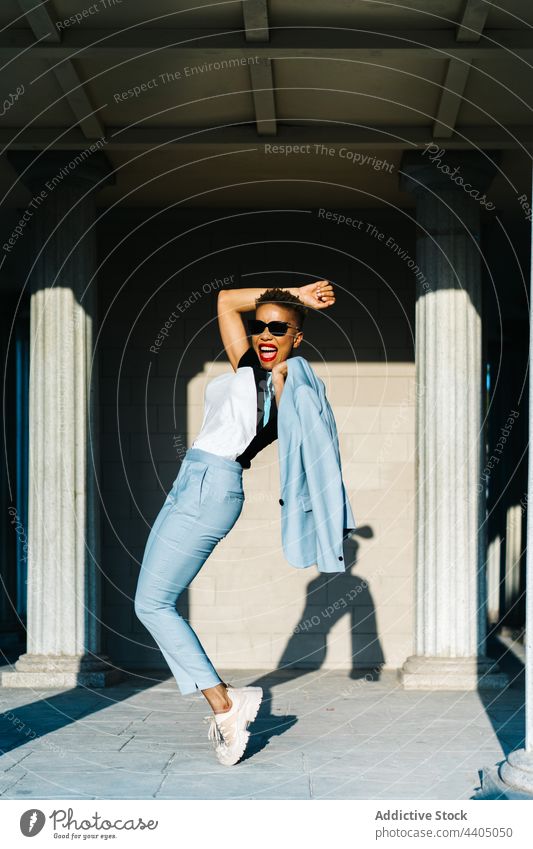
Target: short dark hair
(284, 299)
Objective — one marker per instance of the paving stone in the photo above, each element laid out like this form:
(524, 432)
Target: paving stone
(9, 778)
(41, 763)
(83, 743)
(205, 762)
(379, 742)
(107, 784)
(145, 747)
(236, 784)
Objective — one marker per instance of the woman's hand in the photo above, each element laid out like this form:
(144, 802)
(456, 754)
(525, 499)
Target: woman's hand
(279, 374)
(280, 370)
(319, 295)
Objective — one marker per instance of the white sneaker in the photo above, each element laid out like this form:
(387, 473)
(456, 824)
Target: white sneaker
(228, 730)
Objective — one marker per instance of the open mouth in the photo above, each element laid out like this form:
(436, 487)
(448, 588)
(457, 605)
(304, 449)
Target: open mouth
(267, 353)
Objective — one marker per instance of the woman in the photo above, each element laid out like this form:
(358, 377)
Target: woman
(206, 499)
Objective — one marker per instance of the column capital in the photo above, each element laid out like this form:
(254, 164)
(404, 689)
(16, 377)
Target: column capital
(64, 167)
(447, 170)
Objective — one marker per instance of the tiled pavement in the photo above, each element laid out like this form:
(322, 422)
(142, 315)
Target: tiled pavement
(319, 734)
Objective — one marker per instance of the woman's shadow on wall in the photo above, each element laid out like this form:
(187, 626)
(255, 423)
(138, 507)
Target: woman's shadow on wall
(329, 598)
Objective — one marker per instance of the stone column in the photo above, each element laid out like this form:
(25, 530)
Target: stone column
(517, 770)
(450, 508)
(63, 626)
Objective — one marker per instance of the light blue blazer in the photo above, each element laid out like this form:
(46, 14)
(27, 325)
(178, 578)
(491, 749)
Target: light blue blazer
(315, 510)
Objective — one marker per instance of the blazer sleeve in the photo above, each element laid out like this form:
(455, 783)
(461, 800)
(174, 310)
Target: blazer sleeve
(324, 479)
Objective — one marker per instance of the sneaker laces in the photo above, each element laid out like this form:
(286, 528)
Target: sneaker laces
(214, 733)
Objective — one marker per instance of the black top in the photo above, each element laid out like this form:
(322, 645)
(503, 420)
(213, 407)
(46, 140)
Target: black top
(269, 432)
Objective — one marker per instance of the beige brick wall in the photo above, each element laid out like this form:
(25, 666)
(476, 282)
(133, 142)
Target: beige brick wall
(248, 605)
(248, 601)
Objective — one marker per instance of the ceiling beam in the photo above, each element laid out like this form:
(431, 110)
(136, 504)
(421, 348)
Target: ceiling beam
(40, 20)
(196, 47)
(469, 30)
(78, 100)
(262, 82)
(376, 138)
(255, 14)
(475, 13)
(451, 98)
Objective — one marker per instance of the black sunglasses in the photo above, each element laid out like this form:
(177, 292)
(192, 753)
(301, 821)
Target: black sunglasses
(277, 328)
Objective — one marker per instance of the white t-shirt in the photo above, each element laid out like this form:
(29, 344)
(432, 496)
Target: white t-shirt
(233, 408)
(229, 422)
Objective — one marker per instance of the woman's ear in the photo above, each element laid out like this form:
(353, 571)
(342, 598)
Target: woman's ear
(298, 338)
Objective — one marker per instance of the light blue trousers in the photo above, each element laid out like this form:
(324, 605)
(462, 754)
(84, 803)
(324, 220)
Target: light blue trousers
(204, 503)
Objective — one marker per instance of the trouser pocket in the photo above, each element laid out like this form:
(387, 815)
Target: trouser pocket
(191, 488)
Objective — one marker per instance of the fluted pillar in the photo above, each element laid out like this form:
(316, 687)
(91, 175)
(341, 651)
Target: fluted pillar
(450, 508)
(517, 770)
(63, 624)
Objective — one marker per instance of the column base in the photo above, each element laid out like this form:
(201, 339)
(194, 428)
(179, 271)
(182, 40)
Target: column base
(451, 673)
(63, 671)
(517, 771)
